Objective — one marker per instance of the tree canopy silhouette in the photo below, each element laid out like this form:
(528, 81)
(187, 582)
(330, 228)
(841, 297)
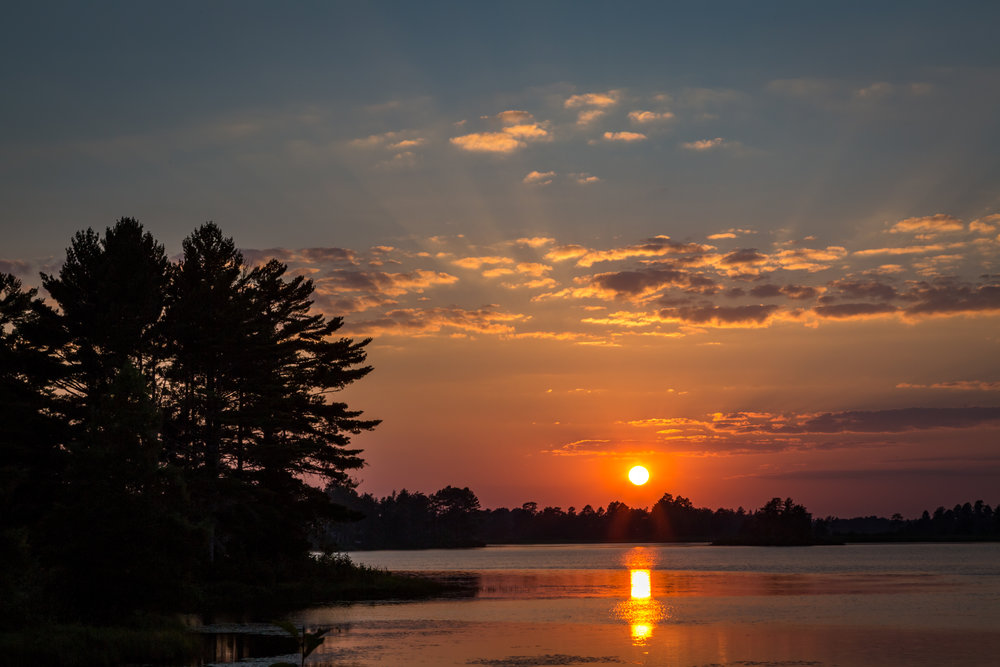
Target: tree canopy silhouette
(166, 424)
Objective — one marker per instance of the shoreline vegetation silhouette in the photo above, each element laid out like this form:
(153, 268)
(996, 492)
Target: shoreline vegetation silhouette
(452, 518)
(172, 443)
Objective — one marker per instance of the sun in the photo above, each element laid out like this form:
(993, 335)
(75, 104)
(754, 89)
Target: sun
(638, 475)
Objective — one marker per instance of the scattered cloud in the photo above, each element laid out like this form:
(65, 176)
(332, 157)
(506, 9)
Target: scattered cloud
(929, 225)
(585, 179)
(589, 117)
(955, 385)
(478, 262)
(379, 282)
(535, 241)
(648, 117)
(600, 100)
(517, 131)
(424, 321)
(702, 145)
(515, 117)
(539, 178)
(488, 142)
(627, 137)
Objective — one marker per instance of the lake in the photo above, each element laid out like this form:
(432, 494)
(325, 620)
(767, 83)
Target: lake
(678, 604)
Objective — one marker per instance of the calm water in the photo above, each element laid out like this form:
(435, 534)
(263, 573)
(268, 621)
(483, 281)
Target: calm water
(680, 605)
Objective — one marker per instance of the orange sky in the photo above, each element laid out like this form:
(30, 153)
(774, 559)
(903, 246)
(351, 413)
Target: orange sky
(754, 247)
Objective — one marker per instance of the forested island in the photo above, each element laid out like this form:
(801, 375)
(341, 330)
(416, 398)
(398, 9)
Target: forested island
(452, 517)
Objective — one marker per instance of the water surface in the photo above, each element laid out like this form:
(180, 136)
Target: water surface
(913, 604)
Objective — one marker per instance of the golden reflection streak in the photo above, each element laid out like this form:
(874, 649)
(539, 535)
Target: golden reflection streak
(641, 588)
(641, 611)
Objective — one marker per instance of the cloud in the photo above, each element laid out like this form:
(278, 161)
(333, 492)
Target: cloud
(875, 90)
(538, 283)
(744, 256)
(955, 385)
(538, 178)
(809, 259)
(843, 311)
(949, 297)
(535, 241)
(419, 322)
(627, 137)
(658, 246)
(931, 225)
(301, 256)
(769, 290)
(15, 267)
(865, 289)
(477, 262)
(379, 282)
(600, 100)
(390, 140)
(986, 225)
(515, 117)
(488, 142)
(703, 145)
(407, 144)
(585, 179)
(527, 131)
(533, 269)
(720, 316)
(508, 140)
(647, 117)
(730, 234)
(909, 250)
(636, 284)
(564, 252)
(589, 117)
(850, 421)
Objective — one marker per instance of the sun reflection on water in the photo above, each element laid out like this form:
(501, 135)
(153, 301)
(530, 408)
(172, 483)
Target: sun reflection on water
(641, 611)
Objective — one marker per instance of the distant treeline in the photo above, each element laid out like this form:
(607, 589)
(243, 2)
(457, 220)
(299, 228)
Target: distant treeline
(452, 517)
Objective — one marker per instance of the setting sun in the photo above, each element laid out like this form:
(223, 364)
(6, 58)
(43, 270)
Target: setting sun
(638, 475)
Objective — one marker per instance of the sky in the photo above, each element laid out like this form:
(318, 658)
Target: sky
(752, 246)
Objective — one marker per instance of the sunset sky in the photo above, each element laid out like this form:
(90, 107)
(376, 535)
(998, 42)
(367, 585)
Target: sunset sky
(752, 246)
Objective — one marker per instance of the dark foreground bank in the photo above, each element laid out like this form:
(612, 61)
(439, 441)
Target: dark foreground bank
(145, 638)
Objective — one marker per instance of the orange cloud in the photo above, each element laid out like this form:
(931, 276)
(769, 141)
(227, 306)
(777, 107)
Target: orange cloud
(627, 137)
(508, 140)
(378, 282)
(589, 116)
(646, 117)
(808, 259)
(477, 262)
(488, 142)
(658, 246)
(535, 241)
(706, 144)
(421, 322)
(564, 252)
(986, 225)
(538, 178)
(514, 117)
(748, 316)
(909, 250)
(533, 269)
(956, 385)
(932, 224)
(600, 100)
